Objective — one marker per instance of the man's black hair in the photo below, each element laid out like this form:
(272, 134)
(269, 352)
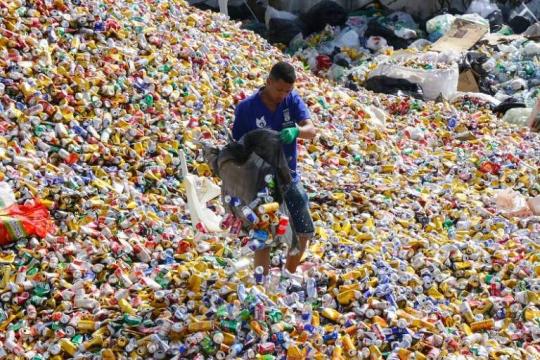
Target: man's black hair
(283, 71)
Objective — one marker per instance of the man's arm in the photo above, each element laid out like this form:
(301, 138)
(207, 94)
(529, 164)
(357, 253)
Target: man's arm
(238, 125)
(307, 129)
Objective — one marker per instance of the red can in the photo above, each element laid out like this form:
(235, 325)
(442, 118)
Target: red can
(282, 225)
(201, 228)
(236, 227)
(228, 221)
(260, 312)
(266, 348)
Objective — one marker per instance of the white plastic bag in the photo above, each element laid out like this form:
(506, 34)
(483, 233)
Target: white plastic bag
(481, 96)
(534, 205)
(349, 39)
(512, 204)
(7, 196)
(532, 48)
(198, 192)
(482, 8)
(405, 33)
(377, 116)
(376, 43)
(517, 116)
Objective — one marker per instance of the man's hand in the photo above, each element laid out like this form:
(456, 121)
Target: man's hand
(288, 135)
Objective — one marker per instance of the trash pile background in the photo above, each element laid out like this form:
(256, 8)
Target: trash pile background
(418, 251)
(354, 46)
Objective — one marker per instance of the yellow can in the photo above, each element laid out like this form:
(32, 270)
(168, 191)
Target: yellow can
(483, 325)
(68, 346)
(201, 326)
(268, 208)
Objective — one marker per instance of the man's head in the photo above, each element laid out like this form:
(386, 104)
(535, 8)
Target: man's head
(280, 82)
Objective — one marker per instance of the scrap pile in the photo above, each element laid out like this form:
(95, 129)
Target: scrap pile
(427, 241)
(352, 47)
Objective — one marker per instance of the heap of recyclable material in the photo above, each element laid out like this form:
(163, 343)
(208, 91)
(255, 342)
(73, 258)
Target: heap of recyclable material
(350, 52)
(426, 245)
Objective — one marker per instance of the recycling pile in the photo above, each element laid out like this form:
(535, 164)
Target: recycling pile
(508, 70)
(417, 254)
(348, 51)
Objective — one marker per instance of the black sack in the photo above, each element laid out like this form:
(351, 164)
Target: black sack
(377, 29)
(282, 31)
(508, 104)
(521, 18)
(322, 14)
(387, 85)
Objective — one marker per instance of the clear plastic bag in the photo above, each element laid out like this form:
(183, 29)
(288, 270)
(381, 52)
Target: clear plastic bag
(482, 8)
(440, 23)
(517, 116)
(348, 38)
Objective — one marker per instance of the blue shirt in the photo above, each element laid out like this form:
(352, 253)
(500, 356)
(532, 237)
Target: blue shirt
(251, 114)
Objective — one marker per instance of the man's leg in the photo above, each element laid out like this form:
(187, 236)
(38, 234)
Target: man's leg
(262, 258)
(300, 218)
(295, 256)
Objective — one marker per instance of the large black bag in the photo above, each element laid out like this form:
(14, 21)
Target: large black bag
(282, 31)
(387, 85)
(322, 14)
(377, 29)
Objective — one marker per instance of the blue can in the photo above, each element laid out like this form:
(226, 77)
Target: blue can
(309, 328)
(330, 336)
(99, 26)
(249, 214)
(260, 235)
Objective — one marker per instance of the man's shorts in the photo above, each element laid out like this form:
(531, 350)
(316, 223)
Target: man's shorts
(298, 205)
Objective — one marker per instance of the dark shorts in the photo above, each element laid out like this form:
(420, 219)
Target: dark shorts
(298, 205)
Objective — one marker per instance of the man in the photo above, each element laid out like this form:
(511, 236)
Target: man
(276, 106)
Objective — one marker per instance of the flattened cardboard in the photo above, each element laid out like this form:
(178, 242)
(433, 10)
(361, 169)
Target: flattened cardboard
(461, 37)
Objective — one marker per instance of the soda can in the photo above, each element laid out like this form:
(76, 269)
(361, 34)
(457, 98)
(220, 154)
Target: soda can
(266, 348)
(282, 225)
(268, 208)
(260, 312)
(249, 215)
(227, 221)
(236, 227)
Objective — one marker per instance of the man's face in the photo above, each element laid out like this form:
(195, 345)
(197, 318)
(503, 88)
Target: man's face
(278, 90)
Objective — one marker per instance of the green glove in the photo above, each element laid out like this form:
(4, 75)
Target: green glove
(288, 135)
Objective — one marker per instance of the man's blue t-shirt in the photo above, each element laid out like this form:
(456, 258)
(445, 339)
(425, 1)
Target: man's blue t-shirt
(251, 114)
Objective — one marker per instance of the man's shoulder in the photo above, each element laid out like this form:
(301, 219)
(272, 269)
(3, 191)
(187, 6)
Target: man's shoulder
(294, 96)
